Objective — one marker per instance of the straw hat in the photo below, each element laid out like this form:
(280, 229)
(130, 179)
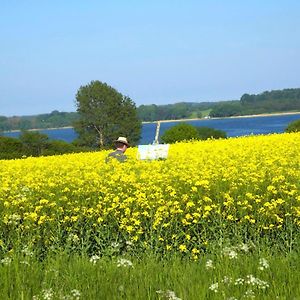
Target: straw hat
(122, 140)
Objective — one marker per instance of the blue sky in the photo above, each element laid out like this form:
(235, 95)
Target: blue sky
(155, 52)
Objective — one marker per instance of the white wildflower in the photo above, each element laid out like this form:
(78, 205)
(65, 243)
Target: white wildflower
(169, 295)
(14, 219)
(75, 294)
(244, 247)
(129, 243)
(6, 261)
(122, 262)
(249, 294)
(27, 252)
(230, 252)
(239, 281)
(263, 264)
(227, 280)
(25, 262)
(209, 264)
(94, 259)
(251, 280)
(73, 238)
(47, 294)
(115, 244)
(232, 298)
(214, 287)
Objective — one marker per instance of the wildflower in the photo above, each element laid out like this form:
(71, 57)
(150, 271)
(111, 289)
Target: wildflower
(209, 264)
(249, 294)
(48, 294)
(115, 244)
(239, 281)
(251, 280)
(75, 294)
(6, 261)
(227, 280)
(14, 219)
(230, 252)
(182, 248)
(94, 259)
(169, 295)
(129, 243)
(27, 252)
(73, 238)
(25, 262)
(244, 247)
(122, 262)
(214, 287)
(263, 264)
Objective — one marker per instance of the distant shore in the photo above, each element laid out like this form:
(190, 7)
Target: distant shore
(177, 120)
(232, 117)
(37, 129)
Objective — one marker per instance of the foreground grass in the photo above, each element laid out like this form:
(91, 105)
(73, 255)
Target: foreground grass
(231, 275)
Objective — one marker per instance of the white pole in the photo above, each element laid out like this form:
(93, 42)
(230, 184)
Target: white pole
(157, 133)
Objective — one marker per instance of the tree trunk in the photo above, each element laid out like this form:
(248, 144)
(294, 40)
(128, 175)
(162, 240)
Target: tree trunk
(101, 142)
(101, 139)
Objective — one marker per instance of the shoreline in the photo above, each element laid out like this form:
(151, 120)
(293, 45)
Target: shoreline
(177, 120)
(231, 117)
(37, 129)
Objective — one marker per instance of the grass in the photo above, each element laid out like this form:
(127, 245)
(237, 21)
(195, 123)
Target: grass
(204, 113)
(64, 276)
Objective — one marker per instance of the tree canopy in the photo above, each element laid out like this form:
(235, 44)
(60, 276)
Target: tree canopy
(293, 126)
(180, 132)
(266, 102)
(185, 132)
(104, 115)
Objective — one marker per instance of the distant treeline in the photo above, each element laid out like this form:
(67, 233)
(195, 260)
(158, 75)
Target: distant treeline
(54, 119)
(182, 110)
(34, 143)
(266, 102)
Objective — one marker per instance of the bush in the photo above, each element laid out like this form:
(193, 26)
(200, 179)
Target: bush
(293, 126)
(34, 142)
(207, 132)
(10, 148)
(179, 133)
(185, 132)
(61, 147)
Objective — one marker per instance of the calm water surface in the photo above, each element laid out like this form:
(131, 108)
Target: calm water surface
(232, 126)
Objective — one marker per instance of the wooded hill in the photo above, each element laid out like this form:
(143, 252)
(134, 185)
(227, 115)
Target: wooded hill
(266, 102)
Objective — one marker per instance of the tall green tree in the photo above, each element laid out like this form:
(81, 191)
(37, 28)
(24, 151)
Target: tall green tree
(104, 115)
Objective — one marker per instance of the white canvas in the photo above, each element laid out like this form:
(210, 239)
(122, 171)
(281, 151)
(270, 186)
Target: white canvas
(153, 151)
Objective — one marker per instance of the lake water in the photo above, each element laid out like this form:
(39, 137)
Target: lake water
(232, 126)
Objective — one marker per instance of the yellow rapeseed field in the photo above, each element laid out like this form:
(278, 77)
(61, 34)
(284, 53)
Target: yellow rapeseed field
(248, 186)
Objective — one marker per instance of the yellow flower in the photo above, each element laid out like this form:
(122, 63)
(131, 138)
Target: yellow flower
(182, 248)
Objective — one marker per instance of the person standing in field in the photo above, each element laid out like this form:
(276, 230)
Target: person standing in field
(121, 146)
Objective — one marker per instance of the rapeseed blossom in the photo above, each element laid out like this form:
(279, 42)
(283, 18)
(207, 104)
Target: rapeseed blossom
(239, 185)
